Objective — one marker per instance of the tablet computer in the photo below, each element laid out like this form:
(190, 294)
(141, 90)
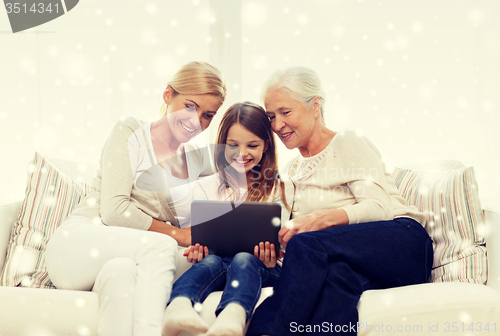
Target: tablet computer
(228, 228)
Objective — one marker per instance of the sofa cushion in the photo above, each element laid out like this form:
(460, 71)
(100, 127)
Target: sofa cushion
(50, 197)
(36, 311)
(454, 220)
(457, 309)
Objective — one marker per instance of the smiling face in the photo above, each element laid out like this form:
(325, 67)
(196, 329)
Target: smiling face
(243, 149)
(293, 122)
(189, 115)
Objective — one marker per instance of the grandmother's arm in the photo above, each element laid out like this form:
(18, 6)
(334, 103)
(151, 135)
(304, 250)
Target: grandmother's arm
(374, 204)
(369, 185)
(373, 201)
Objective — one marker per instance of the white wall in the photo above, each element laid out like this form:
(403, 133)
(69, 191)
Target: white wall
(64, 84)
(420, 78)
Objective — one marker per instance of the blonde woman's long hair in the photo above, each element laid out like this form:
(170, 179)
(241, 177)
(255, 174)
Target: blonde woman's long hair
(197, 78)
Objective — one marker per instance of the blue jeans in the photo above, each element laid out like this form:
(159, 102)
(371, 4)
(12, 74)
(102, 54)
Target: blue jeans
(325, 272)
(241, 277)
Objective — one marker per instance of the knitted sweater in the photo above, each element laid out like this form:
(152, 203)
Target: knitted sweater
(348, 174)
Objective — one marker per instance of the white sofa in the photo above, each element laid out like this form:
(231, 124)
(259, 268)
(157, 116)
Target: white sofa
(452, 308)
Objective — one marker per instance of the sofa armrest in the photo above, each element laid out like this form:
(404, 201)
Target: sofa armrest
(8, 215)
(492, 218)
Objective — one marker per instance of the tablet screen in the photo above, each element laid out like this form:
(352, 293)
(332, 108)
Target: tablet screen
(227, 228)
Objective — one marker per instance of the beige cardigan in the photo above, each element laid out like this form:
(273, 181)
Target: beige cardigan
(348, 174)
(123, 192)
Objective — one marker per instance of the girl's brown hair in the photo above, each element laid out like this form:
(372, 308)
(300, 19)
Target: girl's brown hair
(264, 176)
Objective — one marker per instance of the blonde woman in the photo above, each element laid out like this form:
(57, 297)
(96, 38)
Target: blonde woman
(121, 240)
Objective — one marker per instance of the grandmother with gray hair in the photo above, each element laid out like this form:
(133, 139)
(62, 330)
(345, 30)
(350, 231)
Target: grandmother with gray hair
(350, 230)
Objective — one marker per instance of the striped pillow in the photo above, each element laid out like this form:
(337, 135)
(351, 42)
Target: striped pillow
(454, 220)
(50, 197)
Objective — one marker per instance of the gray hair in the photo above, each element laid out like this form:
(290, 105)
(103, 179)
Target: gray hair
(302, 83)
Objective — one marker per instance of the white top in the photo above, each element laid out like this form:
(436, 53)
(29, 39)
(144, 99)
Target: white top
(181, 190)
(130, 188)
(348, 174)
(207, 188)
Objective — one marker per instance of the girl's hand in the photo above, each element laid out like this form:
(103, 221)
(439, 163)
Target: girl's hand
(266, 253)
(196, 253)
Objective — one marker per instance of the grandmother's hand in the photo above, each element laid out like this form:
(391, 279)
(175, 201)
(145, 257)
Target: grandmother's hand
(296, 226)
(316, 221)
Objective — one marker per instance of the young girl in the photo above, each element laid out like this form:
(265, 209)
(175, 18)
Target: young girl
(245, 148)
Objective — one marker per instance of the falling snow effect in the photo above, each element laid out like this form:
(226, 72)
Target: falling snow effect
(80, 302)
(198, 307)
(402, 80)
(94, 253)
(83, 330)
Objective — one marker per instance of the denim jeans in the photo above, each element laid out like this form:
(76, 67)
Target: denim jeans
(325, 272)
(241, 277)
